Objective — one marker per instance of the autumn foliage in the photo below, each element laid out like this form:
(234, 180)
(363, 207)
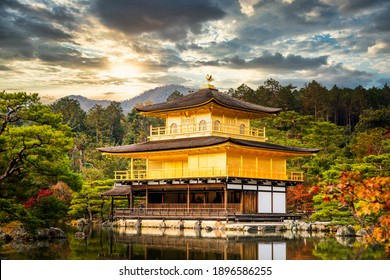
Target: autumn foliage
(369, 200)
(300, 199)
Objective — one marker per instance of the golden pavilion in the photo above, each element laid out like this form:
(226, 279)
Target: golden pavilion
(206, 161)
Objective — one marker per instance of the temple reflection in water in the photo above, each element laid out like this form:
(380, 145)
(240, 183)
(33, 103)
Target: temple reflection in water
(175, 244)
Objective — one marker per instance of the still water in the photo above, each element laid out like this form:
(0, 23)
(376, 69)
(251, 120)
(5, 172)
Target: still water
(171, 244)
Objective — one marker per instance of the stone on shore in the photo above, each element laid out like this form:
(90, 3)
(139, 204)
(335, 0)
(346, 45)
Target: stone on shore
(345, 231)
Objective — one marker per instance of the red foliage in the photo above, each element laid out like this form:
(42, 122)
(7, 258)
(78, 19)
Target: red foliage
(367, 197)
(300, 199)
(35, 199)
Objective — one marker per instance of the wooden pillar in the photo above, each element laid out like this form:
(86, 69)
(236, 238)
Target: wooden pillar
(112, 207)
(225, 198)
(131, 198)
(188, 197)
(131, 168)
(242, 202)
(147, 198)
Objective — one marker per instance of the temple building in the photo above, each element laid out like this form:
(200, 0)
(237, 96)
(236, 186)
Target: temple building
(206, 160)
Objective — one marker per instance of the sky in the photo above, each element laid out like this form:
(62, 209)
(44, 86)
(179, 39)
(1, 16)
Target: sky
(116, 49)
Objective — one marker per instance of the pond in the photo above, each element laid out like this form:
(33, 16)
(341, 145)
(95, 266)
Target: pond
(102, 243)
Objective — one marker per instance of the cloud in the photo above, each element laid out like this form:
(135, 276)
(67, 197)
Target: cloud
(354, 5)
(5, 68)
(380, 21)
(55, 54)
(379, 47)
(247, 6)
(169, 19)
(277, 62)
(164, 80)
(341, 75)
(30, 31)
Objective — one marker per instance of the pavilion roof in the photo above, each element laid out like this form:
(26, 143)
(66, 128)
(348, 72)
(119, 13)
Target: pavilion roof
(205, 96)
(117, 191)
(199, 142)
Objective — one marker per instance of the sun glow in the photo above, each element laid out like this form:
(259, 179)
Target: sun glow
(123, 70)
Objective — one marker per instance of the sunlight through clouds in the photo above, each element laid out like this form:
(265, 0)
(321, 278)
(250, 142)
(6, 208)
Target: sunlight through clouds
(61, 47)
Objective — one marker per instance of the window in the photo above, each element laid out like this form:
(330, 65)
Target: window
(173, 128)
(242, 128)
(187, 124)
(202, 125)
(217, 126)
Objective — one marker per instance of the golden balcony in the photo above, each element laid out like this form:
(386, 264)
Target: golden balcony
(207, 129)
(185, 173)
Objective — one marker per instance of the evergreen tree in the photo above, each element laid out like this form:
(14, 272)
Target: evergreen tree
(33, 153)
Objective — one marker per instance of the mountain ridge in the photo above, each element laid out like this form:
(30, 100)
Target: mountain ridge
(156, 95)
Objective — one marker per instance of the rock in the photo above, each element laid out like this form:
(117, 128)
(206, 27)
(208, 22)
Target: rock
(334, 228)
(56, 233)
(290, 225)
(322, 228)
(346, 240)
(345, 231)
(162, 225)
(4, 237)
(362, 232)
(20, 234)
(208, 229)
(79, 235)
(280, 228)
(198, 224)
(302, 226)
(43, 234)
(218, 225)
(250, 228)
(266, 228)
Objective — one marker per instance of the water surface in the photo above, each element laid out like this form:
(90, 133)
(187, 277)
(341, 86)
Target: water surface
(170, 244)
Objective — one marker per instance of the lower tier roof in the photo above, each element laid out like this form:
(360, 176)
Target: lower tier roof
(199, 142)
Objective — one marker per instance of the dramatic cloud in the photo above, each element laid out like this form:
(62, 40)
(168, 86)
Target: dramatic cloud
(118, 48)
(278, 62)
(169, 19)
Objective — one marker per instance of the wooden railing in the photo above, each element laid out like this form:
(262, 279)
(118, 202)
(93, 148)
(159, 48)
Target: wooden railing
(125, 213)
(233, 207)
(182, 173)
(207, 128)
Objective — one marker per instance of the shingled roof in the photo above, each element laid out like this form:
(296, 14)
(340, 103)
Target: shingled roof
(197, 142)
(205, 96)
(117, 191)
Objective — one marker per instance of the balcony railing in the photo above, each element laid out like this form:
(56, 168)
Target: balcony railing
(205, 129)
(213, 172)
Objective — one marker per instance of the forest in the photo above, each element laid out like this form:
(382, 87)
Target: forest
(50, 169)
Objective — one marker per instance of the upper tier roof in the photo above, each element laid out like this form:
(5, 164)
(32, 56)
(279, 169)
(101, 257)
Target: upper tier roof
(205, 96)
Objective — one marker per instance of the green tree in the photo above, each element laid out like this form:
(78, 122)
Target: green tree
(72, 114)
(324, 135)
(313, 97)
(174, 95)
(33, 152)
(106, 124)
(245, 93)
(138, 126)
(114, 121)
(96, 124)
(88, 202)
(273, 94)
(370, 119)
